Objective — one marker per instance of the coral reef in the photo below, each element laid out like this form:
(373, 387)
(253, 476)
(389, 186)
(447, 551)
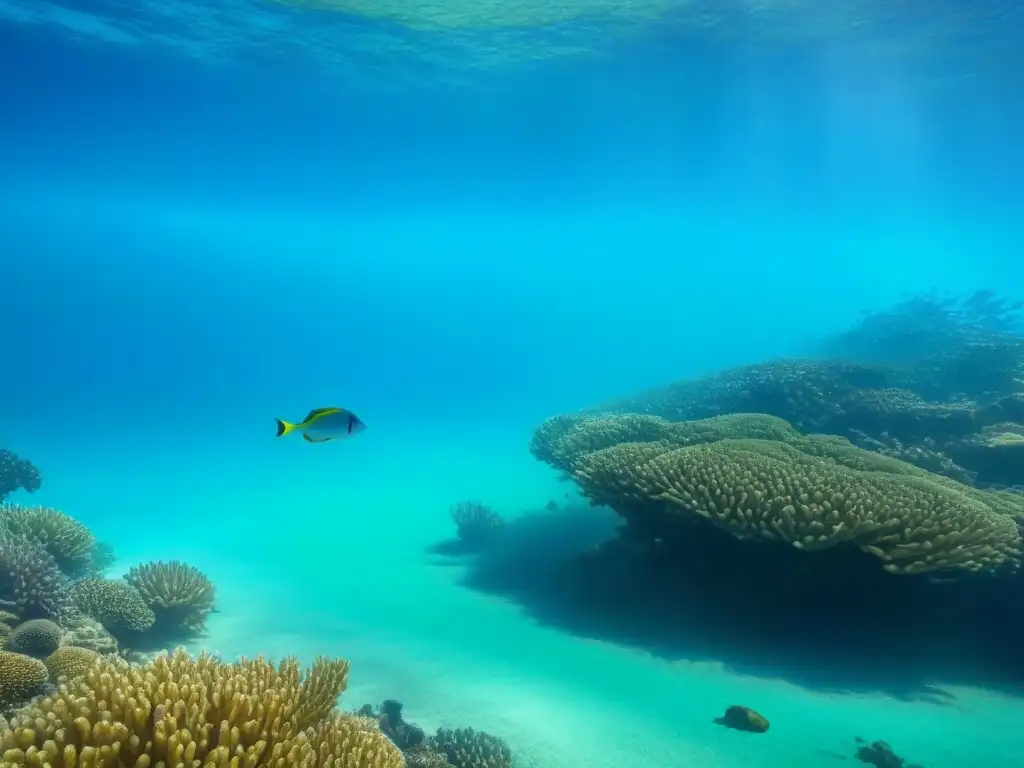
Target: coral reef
(117, 606)
(36, 637)
(466, 748)
(475, 522)
(20, 679)
(69, 661)
(16, 474)
(180, 596)
(68, 542)
(30, 580)
(932, 381)
(83, 632)
(178, 708)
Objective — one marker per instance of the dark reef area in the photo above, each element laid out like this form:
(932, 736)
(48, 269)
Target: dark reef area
(849, 522)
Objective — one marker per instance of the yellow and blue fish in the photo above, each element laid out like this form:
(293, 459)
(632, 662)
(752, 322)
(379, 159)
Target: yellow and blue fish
(323, 424)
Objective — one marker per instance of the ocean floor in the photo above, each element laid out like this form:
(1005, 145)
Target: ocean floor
(322, 550)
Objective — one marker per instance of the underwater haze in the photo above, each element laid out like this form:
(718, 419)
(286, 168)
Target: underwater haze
(582, 268)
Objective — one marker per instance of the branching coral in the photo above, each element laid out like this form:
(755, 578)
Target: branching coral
(17, 473)
(475, 521)
(117, 606)
(30, 579)
(200, 711)
(68, 541)
(180, 596)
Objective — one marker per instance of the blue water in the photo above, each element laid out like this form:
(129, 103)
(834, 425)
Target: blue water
(458, 223)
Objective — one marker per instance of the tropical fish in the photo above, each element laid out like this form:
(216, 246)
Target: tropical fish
(323, 424)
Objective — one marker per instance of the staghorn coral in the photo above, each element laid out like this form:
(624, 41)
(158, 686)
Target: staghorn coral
(466, 748)
(69, 662)
(17, 473)
(198, 711)
(30, 579)
(36, 637)
(20, 679)
(69, 542)
(117, 606)
(475, 522)
(180, 596)
(770, 490)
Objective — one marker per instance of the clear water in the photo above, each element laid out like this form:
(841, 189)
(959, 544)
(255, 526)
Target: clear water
(457, 219)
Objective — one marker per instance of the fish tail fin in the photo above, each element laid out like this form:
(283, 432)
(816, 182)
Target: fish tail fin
(284, 427)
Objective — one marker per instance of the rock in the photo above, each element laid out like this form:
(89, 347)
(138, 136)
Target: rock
(743, 719)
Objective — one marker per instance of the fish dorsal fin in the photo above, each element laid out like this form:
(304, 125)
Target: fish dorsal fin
(318, 412)
(309, 439)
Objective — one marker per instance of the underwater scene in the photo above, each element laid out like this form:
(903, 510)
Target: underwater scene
(511, 383)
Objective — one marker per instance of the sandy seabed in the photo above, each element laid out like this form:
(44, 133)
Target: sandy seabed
(322, 550)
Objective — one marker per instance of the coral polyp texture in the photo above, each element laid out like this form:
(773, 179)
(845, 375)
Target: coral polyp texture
(37, 637)
(68, 541)
(31, 583)
(20, 679)
(17, 474)
(812, 492)
(197, 711)
(117, 606)
(180, 596)
(68, 662)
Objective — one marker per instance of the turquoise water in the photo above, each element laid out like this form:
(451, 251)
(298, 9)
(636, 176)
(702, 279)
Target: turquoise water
(326, 556)
(458, 220)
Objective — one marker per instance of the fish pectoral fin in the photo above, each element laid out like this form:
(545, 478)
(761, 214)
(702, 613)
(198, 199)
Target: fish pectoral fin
(318, 412)
(309, 439)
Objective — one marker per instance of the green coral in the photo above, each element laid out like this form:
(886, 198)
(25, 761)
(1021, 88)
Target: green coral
(38, 637)
(466, 748)
(180, 596)
(67, 541)
(117, 606)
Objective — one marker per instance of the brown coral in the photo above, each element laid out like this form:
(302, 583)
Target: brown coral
(37, 637)
(20, 679)
(69, 662)
(180, 596)
(197, 711)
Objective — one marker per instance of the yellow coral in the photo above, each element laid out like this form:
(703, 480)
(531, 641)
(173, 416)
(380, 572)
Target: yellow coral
(69, 662)
(180, 710)
(20, 678)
